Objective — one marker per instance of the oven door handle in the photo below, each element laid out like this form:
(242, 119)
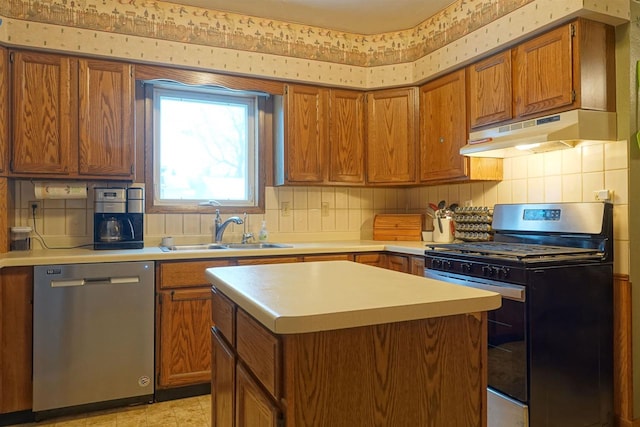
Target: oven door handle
(512, 292)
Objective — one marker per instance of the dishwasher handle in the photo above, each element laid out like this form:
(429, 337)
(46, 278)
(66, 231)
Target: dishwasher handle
(96, 281)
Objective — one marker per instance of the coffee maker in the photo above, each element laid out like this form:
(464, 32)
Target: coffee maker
(118, 218)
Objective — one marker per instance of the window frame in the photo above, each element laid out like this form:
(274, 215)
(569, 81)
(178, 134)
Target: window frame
(263, 155)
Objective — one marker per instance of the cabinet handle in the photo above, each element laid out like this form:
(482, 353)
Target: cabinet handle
(441, 139)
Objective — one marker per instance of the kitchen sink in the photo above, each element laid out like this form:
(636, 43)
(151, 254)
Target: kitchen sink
(198, 247)
(213, 246)
(256, 245)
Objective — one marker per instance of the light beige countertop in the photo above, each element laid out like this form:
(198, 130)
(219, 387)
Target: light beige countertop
(88, 255)
(318, 296)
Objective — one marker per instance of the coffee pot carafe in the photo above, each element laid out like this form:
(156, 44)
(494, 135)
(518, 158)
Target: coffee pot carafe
(111, 230)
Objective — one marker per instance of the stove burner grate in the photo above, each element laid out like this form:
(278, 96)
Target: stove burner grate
(520, 251)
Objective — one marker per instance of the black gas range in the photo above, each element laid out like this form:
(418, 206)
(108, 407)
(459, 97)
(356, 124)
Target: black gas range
(550, 357)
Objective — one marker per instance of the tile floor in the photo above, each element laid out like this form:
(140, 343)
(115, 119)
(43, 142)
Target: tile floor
(188, 412)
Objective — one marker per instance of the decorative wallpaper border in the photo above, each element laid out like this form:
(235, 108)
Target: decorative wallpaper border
(170, 22)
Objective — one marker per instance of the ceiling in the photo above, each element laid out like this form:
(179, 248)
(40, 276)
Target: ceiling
(353, 16)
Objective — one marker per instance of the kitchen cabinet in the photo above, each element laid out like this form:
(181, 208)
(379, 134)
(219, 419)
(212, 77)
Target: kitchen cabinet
(489, 90)
(416, 265)
(300, 144)
(569, 67)
(328, 257)
(267, 260)
(398, 263)
(4, 109)
(345, 157)
(321, 137)
(16, 327)
(391, 136)
(183, 352)
(375, 259)
(72, 117)
(443, 131)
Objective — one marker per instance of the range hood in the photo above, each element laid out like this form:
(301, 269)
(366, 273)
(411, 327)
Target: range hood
(555, 132)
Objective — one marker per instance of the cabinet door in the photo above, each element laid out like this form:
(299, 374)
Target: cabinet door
(417, 266)
(443, 128)
(44, 113)
(374, 259)
(543, 78)
(184, 355)
(398, 263)
(5, 103)
(253, 407)
(391, 136)
(490, 90)
(345, 159)
(304, 134)
(16, 326)
(106, 133)
(222, 383)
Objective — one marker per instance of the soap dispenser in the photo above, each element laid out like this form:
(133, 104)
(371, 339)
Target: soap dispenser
(263, 235)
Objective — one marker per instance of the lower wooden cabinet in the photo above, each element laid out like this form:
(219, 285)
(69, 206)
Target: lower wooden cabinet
(16, 327)
(254, 408)
(223, 379)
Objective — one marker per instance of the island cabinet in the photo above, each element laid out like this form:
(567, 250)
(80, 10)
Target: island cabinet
(392, 136)
(183, 353)
(407, 372)
(569, 67)
(71, 117)
(443, 131)
(16, 326)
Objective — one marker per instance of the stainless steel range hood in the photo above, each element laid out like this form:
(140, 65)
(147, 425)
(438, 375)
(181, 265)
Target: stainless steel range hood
(555, 132)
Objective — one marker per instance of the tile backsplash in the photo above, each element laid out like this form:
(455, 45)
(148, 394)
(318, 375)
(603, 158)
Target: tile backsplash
(340, 213)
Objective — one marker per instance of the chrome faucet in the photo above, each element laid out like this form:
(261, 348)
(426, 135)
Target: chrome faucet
(245, 235)
(219, 226)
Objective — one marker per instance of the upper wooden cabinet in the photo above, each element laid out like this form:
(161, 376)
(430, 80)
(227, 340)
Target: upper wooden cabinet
(489, 90)
(4, 109)
(566, 68)
(391, 136)
(71, 117)
(299, 150)
(443, 131)
(345, 157)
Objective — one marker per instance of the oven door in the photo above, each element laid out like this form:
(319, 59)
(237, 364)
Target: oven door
(507, 352)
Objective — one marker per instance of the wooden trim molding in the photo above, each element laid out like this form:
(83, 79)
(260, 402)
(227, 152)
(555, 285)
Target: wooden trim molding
(622, 357)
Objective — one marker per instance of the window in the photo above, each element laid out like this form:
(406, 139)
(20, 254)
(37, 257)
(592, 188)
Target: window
(205, 147)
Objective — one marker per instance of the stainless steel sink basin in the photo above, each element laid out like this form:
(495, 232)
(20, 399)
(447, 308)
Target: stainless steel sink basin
(213, 246)
(198, 247)
(256, 245)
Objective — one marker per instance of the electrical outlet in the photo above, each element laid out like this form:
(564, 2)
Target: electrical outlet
(325, 208)
(285, 209)
(38, 209)
(603, 195)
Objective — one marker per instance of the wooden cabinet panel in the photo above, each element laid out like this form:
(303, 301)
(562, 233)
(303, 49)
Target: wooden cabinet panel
(374, 259)
(184, 355)
(222, 383)
(223, 316)
(253, 407)
(544, 72)
(398, 263)
(267, 260)
(16, 327)
(304, 134)
(260, 350)
(345, 159)
(44, 113)
(185, 274)
(417, 266)
(489, 90)
(328, 257)
(106, 132)
(5, 103)
(443, 131)
(391, 136)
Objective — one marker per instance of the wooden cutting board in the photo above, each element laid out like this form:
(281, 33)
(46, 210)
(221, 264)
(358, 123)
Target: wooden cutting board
(397, 227)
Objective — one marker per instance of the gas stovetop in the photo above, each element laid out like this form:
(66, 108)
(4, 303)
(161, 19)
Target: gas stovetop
(516, 251)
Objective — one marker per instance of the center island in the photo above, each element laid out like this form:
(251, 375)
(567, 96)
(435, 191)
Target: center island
(337, 343)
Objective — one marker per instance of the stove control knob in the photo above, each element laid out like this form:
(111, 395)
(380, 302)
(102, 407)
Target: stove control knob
(446, 265)
(502, 272)
(436, 263)
(487, 271)
(466, 267)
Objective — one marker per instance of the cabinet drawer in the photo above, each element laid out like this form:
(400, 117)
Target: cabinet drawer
(260, 351)
(222, 314)
(186, 274)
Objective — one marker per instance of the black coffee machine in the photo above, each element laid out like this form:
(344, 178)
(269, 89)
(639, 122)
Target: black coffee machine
(118, 218)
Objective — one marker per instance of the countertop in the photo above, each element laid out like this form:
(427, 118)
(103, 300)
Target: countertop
(88, 255)
(328, 295)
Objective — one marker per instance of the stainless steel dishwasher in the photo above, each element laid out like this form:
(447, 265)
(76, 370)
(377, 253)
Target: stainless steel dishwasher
(93, 338)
